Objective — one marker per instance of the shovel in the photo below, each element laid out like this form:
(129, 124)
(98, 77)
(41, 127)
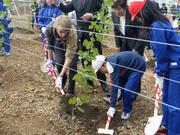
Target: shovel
(106, 130)
(154, 122)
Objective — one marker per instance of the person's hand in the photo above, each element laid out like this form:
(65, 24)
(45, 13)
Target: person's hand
(119, 94)
(59, 82)
(53, 19)
(43, 29)
(159, 81)
(48, 64)
(118, 49)
(111, 112)
(87, 16)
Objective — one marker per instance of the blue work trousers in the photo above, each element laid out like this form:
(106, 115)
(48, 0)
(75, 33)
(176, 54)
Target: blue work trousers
(7, 45)
(171, 96)
(131, 84)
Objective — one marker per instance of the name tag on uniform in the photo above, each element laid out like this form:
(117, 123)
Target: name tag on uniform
(173, 63)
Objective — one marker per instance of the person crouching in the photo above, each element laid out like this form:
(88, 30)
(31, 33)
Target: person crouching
(126, 70)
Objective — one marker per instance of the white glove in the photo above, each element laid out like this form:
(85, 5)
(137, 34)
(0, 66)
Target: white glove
(59, 82)
(48, 64)
(53, 19)
(159, 81)
(111, 112)
(119, 94)
(43, 29)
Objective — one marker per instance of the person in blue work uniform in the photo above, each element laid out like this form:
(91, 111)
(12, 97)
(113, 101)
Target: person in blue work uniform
(126, 70)
(34, 9)
(2, 7)
(47, 14)
(166, 47)
(6, 43)
(5, 30)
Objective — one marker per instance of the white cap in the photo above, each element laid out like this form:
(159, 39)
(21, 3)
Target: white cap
(98, 62)
(68, 0)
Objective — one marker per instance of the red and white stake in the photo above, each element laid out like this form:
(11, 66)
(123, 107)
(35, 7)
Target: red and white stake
(155, 121)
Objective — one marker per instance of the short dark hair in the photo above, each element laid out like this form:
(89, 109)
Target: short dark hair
(121, 3)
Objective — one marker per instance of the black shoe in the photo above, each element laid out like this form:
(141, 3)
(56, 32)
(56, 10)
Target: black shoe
(105, 87)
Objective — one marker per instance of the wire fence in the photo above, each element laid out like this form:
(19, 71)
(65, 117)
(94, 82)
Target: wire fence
(87, 75)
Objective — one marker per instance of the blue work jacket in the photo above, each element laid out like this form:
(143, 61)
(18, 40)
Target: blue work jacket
(2, 7)
(47, 14)
(124, 63)
(167, 56)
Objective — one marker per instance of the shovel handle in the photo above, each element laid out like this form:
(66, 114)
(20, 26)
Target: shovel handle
(60, 90)
(108, 122)
(158, 94)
